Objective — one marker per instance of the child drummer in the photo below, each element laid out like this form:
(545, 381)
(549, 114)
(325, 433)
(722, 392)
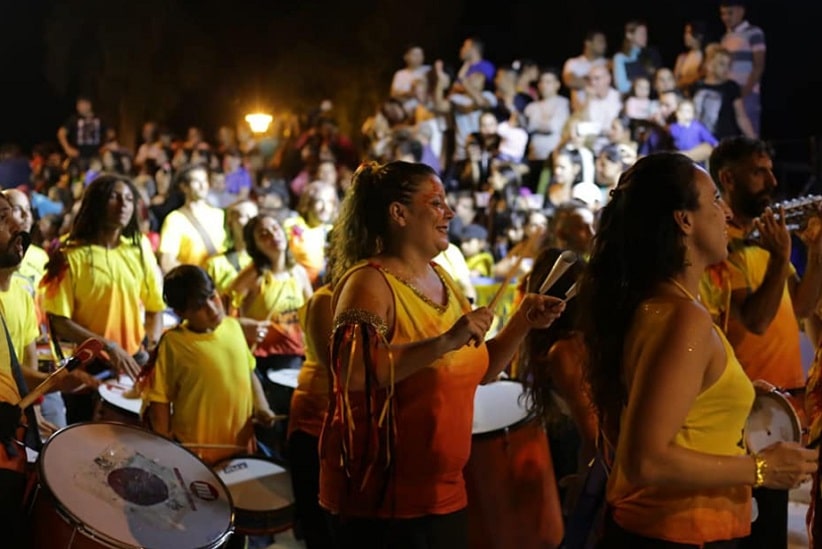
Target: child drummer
(201, 389)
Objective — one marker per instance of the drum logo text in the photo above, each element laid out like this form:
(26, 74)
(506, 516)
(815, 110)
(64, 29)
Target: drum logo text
(235, 467)
(203, 490)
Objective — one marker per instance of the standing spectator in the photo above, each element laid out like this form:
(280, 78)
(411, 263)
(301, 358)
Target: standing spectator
(471, 55)
(576, 69)
(636, 58)
(415, 67)
(718, 101)
(746, 44)
(688, 67)
(81, 136)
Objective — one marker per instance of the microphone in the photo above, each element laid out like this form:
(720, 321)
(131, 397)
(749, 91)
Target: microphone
(563, 262)
(83, 354)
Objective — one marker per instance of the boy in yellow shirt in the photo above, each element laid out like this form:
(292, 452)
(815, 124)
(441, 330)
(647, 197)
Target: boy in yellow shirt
(201, 389)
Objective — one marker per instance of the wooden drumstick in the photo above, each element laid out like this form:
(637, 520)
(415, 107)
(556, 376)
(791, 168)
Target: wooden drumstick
(206, 446)
(562, 264)
(570, 293)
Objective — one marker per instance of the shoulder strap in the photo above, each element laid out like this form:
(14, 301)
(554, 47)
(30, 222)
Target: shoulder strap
(209, 245)
(32, 438)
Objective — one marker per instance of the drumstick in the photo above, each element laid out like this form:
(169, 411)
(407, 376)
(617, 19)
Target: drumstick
(563, 262)
(570, 293)
(206, 446)
(512, 272)
(83, 354)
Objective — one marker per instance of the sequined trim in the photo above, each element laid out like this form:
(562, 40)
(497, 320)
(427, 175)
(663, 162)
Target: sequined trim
(439, 308)
(354, 316)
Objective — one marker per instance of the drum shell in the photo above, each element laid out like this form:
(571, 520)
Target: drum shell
(108, 412)
(513, 500)
(254, 522)
(52, 529)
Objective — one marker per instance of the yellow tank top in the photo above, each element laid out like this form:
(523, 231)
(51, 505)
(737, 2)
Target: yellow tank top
(714, 425)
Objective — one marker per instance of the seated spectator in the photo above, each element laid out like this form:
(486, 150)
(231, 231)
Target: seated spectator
(690, 136)
(474, 246)
(638, 104)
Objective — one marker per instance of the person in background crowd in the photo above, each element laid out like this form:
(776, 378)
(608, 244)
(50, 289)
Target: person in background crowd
(196, 230)
(746, 45)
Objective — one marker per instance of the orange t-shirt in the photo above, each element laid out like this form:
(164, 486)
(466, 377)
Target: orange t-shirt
(418, 461)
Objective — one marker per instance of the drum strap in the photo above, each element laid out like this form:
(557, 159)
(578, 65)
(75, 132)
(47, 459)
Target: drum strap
(32, 438)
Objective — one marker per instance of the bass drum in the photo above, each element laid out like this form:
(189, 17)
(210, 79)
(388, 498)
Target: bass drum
(513, 501)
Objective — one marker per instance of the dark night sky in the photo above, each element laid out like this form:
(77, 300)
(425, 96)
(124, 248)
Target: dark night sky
(207, 62)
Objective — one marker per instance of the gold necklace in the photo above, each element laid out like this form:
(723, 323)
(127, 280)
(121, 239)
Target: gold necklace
(439, 308)
(684, 290)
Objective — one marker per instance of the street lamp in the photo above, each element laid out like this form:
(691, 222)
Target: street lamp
(259, 122)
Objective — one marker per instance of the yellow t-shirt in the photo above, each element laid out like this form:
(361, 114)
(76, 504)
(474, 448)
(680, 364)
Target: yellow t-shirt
(222, 272)
(206, 377)
(179, 238)
(278, 300)
(307, 244)
(17, 306)
(774, 356)
(107, 291)
(8, 387)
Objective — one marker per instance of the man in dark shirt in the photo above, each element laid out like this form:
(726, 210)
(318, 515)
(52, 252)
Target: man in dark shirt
(82, 135)
(718, 99)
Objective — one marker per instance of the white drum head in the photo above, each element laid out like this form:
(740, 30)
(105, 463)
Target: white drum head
(498, 405)
(132, 488)
(286, 377)
(256, 484)
(120, 393)
(772, 419)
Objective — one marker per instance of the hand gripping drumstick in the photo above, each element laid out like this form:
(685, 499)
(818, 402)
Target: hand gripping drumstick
(563, 262)
(509, 276)
(83, 354)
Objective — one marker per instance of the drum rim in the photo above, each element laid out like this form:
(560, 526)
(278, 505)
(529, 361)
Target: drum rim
(785, 404)
(92, 532)
(107, 402)
(528, 418)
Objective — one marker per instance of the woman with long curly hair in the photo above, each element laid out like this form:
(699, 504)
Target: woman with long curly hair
(669, 391)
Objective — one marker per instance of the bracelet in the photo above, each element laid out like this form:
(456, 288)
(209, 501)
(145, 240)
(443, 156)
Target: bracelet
(761, 466)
